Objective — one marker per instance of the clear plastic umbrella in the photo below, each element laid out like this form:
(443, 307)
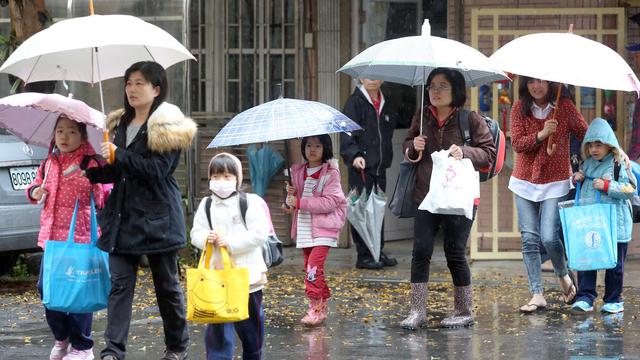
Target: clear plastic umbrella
(282, 119)
(366, 214)
(410, 59)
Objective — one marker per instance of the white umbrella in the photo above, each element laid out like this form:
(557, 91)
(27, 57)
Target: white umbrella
(409, 60)
(91, 49)
(568, 58)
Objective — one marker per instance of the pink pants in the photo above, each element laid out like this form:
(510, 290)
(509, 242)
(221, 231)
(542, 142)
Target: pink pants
(315, 283)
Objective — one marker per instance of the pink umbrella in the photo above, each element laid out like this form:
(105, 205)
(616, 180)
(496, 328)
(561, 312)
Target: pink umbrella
(32, 117)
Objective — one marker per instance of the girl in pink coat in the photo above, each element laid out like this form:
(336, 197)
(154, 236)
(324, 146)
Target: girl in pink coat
(319, 212)
(59, 184)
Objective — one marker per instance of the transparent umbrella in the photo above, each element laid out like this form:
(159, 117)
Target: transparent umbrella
(366, 214)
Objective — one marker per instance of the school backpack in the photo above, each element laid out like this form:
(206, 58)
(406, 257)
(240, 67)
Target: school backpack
(272, 247)
(499, 142)
(635, 201)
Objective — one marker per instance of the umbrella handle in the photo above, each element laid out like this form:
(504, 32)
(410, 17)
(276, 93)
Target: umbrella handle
(551, 147)
(406, 156)
(105, 137)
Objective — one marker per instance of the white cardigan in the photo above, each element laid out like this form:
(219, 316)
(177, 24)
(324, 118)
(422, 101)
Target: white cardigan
(244, 243)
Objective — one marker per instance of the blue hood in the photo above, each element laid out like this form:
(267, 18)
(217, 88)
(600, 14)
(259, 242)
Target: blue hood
(600, 130)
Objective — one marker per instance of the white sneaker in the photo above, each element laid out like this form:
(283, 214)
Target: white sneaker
(76, 354)
(59, 350)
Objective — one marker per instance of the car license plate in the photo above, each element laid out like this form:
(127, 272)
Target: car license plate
(22, 176)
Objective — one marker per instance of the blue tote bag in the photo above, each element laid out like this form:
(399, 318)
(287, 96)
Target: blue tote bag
(590, 234)
(76, 276)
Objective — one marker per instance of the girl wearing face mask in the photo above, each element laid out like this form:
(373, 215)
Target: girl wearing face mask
(243, 239)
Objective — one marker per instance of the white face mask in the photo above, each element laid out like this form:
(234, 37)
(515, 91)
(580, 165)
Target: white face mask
(222, 188)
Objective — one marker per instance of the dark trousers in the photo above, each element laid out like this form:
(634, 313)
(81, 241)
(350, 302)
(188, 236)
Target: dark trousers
(75, 327)
(220, 339)
(164, 269)
(613, 281)
(456, 233)
(355, 182)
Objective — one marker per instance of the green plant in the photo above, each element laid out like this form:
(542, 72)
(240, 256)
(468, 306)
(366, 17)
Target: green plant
(20, 269)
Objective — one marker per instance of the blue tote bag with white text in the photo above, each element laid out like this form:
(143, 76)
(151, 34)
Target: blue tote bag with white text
(590, 234)
(75, 277)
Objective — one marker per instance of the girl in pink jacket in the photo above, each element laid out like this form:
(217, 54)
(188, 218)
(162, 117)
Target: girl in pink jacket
(59, 184)
(319, 212)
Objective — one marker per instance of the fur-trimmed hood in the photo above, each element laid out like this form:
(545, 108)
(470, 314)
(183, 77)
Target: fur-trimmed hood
(167, 128)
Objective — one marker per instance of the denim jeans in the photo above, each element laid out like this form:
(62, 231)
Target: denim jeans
(219, 339)
(540, 225)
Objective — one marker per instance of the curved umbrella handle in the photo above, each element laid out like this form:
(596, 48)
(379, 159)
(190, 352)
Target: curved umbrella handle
(111, 158)
(414, 161)
(551, 147)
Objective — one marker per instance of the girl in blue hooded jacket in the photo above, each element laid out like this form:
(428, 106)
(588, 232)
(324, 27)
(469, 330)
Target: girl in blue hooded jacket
(601, 151)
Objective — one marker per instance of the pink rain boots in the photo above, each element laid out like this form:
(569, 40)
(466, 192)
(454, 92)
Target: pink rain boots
(317, 312)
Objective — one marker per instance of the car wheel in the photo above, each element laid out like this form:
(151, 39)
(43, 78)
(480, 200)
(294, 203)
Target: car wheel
(7, 261)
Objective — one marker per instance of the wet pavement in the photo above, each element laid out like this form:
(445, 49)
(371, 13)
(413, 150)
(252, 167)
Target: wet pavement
(365, 310)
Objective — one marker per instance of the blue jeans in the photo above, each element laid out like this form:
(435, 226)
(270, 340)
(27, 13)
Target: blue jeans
(220, 338)
(540, 225)
(613, 280)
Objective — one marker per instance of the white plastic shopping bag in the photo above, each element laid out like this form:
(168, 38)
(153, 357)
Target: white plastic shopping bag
(454, 186)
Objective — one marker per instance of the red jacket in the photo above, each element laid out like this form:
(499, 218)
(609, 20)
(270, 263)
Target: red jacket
(64, 185)
(533, 164)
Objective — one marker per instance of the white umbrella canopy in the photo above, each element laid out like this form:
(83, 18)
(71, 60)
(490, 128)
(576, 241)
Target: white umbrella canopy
(568, 58)
(409, 60)
(92, 48)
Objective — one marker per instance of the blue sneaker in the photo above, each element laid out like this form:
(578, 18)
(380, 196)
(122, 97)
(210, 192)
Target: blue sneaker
(581, 307)
(613, 308)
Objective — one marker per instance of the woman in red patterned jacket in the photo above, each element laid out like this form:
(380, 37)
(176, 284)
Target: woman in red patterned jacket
(541, 180)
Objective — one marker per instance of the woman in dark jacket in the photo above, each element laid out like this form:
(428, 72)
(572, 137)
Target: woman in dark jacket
(441, 131)
(368, 154)
(143, 214)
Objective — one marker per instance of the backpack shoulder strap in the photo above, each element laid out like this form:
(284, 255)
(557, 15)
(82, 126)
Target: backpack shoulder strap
(85, 161)
(465, 129)
(207, 209)
(242, 196)
(616, 170)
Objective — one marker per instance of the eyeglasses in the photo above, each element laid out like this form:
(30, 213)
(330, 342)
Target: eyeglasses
(438, 88)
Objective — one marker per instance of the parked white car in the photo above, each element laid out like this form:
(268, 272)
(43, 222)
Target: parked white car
(19, 220)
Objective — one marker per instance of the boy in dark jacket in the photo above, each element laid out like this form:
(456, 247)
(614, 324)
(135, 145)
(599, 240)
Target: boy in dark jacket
(368, 154)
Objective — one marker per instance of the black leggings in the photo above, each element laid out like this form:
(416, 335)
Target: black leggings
(456, 233)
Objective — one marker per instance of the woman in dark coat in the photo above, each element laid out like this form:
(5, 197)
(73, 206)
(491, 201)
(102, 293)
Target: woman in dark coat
(143, 214)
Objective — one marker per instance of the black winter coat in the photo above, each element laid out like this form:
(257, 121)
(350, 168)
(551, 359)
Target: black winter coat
(143, 214)
(374, 143)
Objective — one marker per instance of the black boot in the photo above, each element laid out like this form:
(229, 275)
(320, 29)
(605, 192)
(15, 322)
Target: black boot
(368, 263)
(387, 261)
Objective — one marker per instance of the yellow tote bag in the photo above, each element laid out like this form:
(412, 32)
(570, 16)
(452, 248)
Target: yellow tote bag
(217, 296)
